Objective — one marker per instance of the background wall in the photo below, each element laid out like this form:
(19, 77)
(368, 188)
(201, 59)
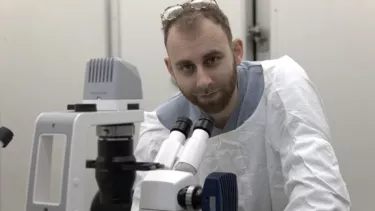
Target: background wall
(44, 46)
(43, 49)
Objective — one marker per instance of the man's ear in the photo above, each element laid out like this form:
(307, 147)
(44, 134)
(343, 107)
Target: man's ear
(169, 66)
(237, 47)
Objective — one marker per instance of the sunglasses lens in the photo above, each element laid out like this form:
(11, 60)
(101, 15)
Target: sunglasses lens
(172, 12)
(200, 4)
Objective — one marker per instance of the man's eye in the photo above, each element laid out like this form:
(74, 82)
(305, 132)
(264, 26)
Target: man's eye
(187, 68)
(212, 60)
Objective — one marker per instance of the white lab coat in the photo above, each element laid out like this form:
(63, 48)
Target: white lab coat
(281, 155)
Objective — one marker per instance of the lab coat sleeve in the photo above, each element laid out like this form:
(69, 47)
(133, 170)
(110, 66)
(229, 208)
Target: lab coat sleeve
(151, 135)
(299, 132)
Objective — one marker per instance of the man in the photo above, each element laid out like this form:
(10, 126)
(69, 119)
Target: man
(270, 127)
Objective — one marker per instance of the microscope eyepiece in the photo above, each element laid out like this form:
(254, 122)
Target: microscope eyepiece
(205, 123)
(183, 124)
(195, 147)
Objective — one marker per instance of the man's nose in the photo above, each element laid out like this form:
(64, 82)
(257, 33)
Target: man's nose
(203, 77)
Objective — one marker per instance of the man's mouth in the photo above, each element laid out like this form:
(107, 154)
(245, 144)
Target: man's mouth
(207, 95)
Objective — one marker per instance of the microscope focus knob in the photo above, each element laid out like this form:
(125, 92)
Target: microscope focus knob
(190, 197)
(219, 193)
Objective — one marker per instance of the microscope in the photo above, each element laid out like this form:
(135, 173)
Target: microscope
(175, 187)
(111, 103)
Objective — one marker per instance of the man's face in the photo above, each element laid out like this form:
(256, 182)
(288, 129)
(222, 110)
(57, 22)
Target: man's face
(203, 64)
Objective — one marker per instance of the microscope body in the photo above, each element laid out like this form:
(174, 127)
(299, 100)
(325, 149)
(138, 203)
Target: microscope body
(174, 190)
(111, 103)
(160, 188)
(74, 126)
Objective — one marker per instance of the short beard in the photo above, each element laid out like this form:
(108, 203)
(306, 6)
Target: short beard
(226, 93)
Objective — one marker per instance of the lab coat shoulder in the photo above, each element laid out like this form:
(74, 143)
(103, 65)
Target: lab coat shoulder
(283, 71)
(298, 131)
(151, 135)
(292, 99)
